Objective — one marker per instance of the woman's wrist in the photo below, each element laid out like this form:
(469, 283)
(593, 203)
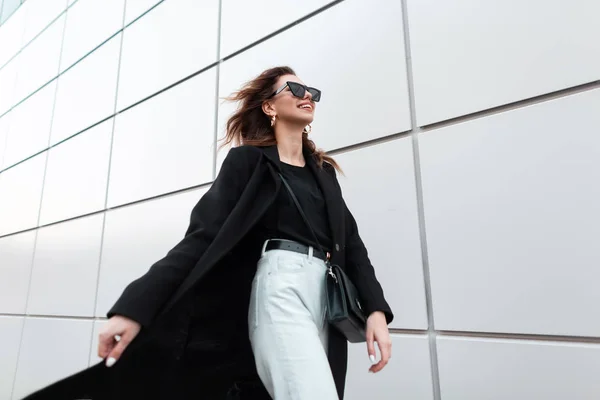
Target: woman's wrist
(376, 314)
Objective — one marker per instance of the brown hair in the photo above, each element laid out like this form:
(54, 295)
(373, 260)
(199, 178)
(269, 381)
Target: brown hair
(249, 125)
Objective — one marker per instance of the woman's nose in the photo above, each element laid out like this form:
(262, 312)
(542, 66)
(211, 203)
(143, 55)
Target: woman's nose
(308, 94)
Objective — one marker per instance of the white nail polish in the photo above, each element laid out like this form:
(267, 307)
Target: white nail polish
(372, 358)
(111, 361)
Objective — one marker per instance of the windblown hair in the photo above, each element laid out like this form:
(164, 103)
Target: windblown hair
(249, 125)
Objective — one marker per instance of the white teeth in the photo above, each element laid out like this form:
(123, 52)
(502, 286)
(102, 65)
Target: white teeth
(305, 106)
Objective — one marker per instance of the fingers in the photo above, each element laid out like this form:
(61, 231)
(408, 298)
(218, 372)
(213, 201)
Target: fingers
(118, 350)
(371, 346)
(385, 348)
(106, 343)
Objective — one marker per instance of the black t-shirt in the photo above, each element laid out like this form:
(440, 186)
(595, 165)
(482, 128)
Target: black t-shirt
(290, 224)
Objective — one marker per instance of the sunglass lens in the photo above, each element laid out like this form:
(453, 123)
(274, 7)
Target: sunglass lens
(296, 89)
(316, 94)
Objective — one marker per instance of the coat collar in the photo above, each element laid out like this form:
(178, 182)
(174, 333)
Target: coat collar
(272, 154)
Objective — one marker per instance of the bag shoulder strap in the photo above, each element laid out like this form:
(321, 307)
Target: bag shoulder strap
(312, 232)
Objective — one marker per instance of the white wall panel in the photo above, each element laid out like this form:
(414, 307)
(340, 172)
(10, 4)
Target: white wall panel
(468, 56)
(40, 13)
(20, 195)
(137, 236)
(11, 35)
(51, 349)
(362, 72)
(512, 216)
(9, 352)
(86, 93)
(89, 23)
(135, 8)
(16, 256)
(244, 22)
(407, 375)
(165, 143)
(30, 126)
(94, 358)
(77, 175)
(475, 369)
(8, 83)
(174, 40)
(4, 127)
(379, 189)
(8, 8)
(65, 268)
(39, 61)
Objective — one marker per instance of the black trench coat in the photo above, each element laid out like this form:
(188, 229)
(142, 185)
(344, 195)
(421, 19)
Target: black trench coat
(193, 303)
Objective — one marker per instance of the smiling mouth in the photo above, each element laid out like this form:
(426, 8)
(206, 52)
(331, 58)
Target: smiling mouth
(306, 107)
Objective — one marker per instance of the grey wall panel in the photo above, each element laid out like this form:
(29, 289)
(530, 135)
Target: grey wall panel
(166, 143)
(20, 195)
(379, 189)
(137, 236)
(494, 369)
(11, 328)
(86, 93)
(407, 375)
(77, 175)
(468, 56)
(89, 23)
(16, 257)
(511, 209)
(243, 22)
(65, 268)
(50, 349)
(28, 135)
(174, 40)
(362, 72)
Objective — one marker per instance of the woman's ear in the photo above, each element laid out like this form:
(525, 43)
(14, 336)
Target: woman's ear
(268, 108)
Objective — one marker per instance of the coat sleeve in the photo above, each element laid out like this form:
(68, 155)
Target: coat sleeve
(359, 267)
(361, 271)
(143, 298)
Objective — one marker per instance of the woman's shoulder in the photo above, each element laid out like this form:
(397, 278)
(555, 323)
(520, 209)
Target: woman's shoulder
(244, 154)
(329, 168)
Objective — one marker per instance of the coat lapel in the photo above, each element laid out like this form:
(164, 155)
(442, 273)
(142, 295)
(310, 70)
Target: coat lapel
(272, 155)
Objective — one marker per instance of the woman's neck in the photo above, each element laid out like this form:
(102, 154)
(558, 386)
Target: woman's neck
(289, 145)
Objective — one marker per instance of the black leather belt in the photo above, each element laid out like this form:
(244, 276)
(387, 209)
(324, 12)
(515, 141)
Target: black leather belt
(296, 247)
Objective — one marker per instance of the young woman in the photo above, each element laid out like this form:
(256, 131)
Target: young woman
(238, 306)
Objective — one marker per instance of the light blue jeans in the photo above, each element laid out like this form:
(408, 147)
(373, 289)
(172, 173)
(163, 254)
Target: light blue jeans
(288, 327)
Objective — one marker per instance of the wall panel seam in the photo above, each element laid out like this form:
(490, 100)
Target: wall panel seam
(433, 357)
(108, 170)
(218, 78)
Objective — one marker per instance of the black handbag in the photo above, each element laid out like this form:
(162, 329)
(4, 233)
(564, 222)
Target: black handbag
(344, 309)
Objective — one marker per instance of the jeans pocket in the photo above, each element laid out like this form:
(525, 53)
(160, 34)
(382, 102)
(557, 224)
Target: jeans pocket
(255, 297)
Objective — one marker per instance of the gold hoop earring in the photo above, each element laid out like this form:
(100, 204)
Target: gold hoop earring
(273, 120)
(307, 129)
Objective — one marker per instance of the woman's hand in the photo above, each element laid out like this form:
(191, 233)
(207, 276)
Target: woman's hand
(118, 332)
(377, 331)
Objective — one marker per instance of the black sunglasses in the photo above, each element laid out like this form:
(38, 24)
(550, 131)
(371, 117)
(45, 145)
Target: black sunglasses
(299, 90)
